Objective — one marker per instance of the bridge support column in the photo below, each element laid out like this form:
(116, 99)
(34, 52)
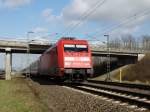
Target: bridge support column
(8, 63)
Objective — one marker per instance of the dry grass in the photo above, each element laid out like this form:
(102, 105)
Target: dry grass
(137, 72)
(16, 96)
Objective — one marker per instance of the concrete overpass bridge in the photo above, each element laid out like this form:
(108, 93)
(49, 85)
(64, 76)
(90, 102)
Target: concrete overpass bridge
(9, 47)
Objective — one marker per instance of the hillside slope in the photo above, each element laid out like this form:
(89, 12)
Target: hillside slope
(114, 74)
(137, 72)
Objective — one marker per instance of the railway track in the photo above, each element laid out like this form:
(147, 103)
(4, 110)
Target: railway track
(135, 95)
(129, 85)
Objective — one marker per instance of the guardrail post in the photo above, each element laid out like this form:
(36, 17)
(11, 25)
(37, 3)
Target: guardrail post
(120, 75)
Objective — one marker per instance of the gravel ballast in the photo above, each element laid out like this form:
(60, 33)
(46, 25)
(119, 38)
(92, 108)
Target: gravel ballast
(64, 99)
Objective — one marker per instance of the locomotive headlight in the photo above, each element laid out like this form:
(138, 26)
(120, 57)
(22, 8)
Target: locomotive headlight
(85, 59)
(89, 71)
(67, 63)
(69, 58)
(68, 71)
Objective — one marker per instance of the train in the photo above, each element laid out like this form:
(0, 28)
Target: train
(68, 59)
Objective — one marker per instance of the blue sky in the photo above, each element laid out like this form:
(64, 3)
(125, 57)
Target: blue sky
(16, 21)
(47, 17)
(51, 17)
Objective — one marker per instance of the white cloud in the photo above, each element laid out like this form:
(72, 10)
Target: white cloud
(123, 31)
(49, 16)
(47, 12)
(40, 30)
(111, 12)
(13, 3)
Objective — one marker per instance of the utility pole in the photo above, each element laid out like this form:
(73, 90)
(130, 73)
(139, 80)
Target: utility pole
(28, 55)
(108, 60)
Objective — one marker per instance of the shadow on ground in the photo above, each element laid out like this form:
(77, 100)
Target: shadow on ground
(45, 80)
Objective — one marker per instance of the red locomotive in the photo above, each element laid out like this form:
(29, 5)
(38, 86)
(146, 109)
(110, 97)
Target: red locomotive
(67, 59)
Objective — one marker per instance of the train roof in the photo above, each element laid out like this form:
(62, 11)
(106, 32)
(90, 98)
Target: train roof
(72, 41)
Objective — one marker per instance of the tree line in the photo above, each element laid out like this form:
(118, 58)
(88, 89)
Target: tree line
(131, 43)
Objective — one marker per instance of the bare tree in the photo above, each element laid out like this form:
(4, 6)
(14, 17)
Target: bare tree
(115, 43)
(146, 42)
(129, 42)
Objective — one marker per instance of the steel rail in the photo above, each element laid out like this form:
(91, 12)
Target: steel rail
(139, 99)
(117, 97)
(127, 91)
(129, 85)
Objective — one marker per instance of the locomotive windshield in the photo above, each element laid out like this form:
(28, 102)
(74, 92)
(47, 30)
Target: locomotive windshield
(81, 48)
(75, 48)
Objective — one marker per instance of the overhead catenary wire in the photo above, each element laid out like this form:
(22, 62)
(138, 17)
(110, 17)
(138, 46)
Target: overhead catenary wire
(126, 21)
(83, 17)
(109, 29)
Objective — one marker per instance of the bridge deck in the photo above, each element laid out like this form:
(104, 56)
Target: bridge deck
(38, 48)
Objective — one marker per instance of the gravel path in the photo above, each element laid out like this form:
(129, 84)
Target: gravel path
(63, 99)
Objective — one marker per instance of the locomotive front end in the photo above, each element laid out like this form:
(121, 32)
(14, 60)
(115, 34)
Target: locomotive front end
(77, 60)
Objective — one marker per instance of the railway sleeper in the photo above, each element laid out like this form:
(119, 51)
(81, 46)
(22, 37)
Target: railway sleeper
(131, 101)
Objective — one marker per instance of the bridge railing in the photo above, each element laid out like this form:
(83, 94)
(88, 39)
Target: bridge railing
(119, 49)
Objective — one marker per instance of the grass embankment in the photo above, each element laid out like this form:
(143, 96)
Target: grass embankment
(114, 74)
(16, 96)
(137, 72)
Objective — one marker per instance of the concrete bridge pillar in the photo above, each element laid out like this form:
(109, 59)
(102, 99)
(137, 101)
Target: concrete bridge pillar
(8, 63)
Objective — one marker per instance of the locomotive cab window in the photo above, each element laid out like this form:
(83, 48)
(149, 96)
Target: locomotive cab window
(69, 48)
(75, 48)
(81, 48)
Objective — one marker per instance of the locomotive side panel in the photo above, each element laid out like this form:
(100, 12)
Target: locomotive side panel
(60, 59)
(43, 64)
(48, 62)
(53, 68)
(34, 68)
